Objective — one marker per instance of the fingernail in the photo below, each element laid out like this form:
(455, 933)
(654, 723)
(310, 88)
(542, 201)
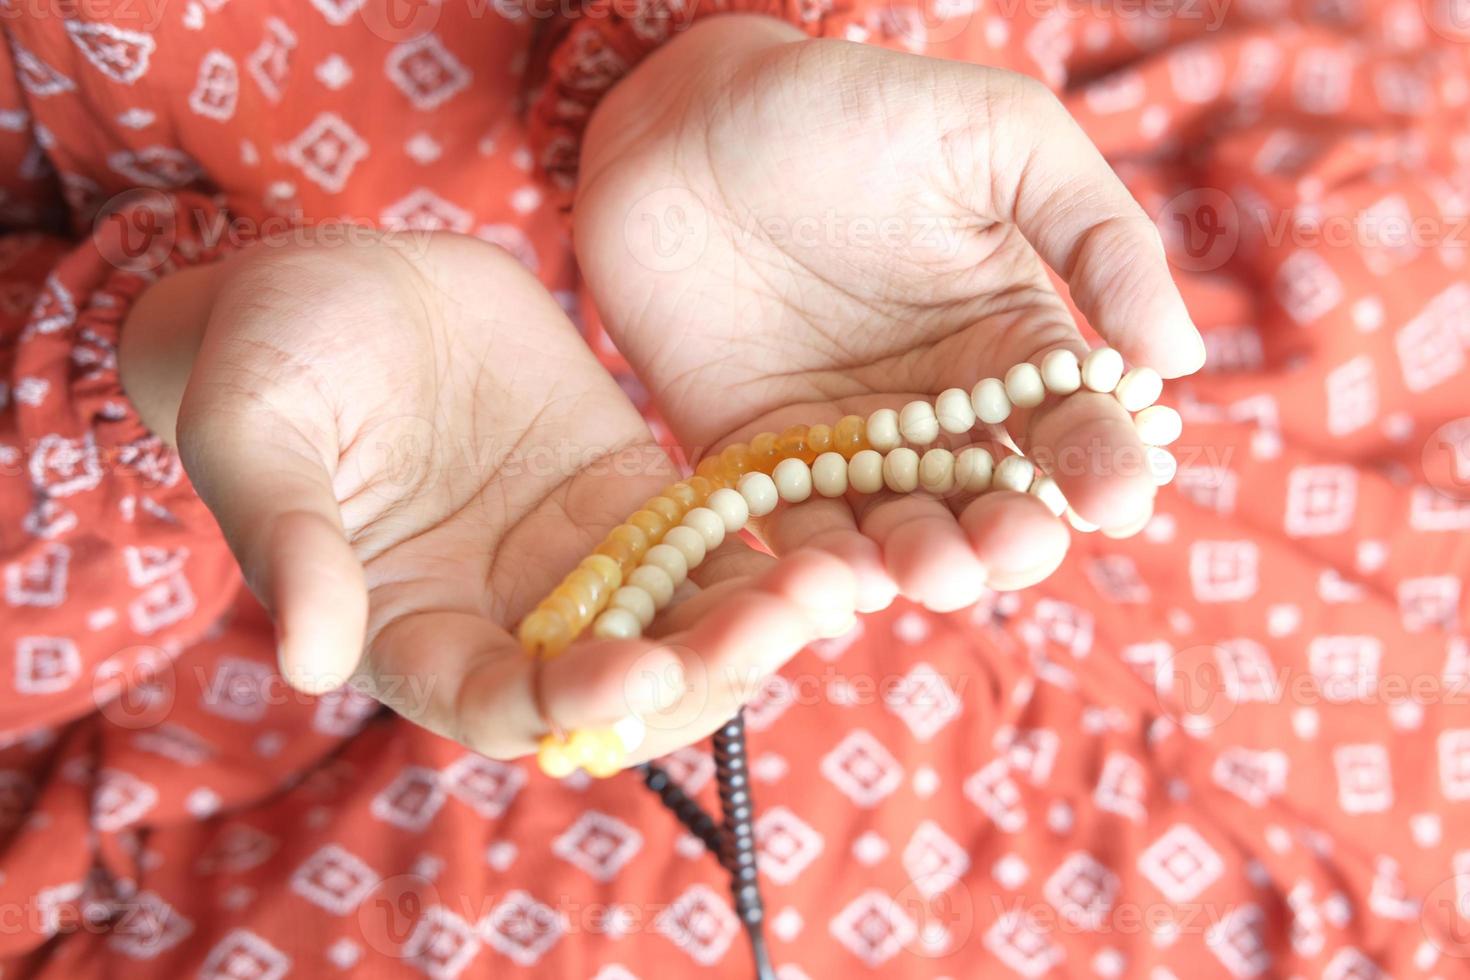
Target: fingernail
(1195, 346)
(630, 732)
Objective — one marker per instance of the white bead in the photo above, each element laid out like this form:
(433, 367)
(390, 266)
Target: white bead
(1061, 372)
(1161, 465)
(936, 471)
(918, 423)
(1079, 522)
(865, 471)
(617, 624)
(973, 468)
(711, 526)
(630, 731)
(1139, 389)
(1102, 368)
(954, 410)
(829, 474)
(731, 507)
(989, 400)
(670, 559)
(655, 581)
(1013, 473)
(793, 480)
(883, 433)
(1045, 489)
(636, 601)
(688, 542)
(1023, 385)
(760, 494)
(1158, 425)
(901, 470)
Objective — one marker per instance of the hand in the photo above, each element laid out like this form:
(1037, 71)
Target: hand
(407, 445)
(859, 228)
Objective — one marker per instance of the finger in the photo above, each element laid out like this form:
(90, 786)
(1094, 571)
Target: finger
(1016, 537)
(461, 676)
(732, 649)
(272, 495)
(730, 567)
(1085, 224)
(925, 551)
(1088, 443)
(829, 525)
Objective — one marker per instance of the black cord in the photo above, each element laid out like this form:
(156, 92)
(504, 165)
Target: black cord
(685, 808)
(732, 772)
(731, 841)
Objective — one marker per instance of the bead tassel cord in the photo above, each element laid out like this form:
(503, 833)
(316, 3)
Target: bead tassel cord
(633, 572)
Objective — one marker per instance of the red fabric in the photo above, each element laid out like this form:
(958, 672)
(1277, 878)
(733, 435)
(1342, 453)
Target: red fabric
(1002, 791)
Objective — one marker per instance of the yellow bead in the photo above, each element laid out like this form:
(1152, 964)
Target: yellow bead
(685, 496)
(610, 571)
(601, 752)
(586, 589)
(580, 743)
(819, 439)
(702, 487)
(544, 633)
(567, 610)
(626, 545)
(652, 524)
(764, 453)
(793, 445)
(711, 469)
(850, 436)
(735, 462)
(553, 759)
(667, 508)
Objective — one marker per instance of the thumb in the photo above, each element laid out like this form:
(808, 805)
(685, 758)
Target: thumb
(1080, 217)
(271, 492)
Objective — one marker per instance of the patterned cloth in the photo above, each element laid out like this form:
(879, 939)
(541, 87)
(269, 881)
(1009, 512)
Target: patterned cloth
(1237, 745)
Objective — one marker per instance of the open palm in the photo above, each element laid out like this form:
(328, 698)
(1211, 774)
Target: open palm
(407, 447)
(814, 228)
